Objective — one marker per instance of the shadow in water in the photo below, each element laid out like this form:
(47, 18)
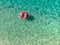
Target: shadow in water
(30, 18)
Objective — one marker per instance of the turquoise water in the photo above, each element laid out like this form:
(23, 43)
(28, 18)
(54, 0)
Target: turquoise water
(41, 28)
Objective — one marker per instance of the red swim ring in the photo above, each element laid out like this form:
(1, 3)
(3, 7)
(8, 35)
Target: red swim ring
(24, 14)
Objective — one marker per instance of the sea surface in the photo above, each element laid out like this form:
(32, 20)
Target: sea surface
(42, 27)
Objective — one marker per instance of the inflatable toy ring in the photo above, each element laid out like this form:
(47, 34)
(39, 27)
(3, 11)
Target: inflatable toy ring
(24, 14)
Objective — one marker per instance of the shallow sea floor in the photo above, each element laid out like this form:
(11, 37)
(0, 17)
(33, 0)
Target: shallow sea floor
(41, 28)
